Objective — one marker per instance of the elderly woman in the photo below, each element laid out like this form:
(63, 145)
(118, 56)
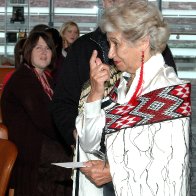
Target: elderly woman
(143, 124)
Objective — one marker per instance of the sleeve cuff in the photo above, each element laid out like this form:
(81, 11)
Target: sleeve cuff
(92, 109)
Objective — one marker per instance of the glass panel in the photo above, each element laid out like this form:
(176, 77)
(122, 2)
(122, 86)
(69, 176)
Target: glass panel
(181, 16)
(84, 13)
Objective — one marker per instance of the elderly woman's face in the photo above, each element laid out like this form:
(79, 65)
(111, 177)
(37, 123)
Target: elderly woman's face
(126, 56)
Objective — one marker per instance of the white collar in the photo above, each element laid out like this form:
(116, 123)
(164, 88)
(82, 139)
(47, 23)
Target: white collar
(151, 68)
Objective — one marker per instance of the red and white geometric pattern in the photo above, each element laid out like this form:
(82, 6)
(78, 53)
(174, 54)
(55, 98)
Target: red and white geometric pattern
(156, 106)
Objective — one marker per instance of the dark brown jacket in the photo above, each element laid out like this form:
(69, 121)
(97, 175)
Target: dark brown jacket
(25, 111)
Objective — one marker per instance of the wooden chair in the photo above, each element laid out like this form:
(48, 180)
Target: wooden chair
(0, 113)
(8, 154)
(3, 131)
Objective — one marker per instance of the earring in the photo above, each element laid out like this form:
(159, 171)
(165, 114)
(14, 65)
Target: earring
(142, 59)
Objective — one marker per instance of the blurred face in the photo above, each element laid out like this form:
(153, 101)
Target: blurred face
(41, 56)
(70, 34)
(126, 56)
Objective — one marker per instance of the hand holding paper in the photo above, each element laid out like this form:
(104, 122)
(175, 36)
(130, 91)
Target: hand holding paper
(70, 164)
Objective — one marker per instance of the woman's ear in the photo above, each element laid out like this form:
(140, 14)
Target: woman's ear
(145, 42)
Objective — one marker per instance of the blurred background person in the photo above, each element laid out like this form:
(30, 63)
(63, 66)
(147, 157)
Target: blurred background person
(39, 27)
(25, 107)
(69, 32)
(57, 39)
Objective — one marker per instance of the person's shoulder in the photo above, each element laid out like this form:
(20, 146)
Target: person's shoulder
(89, 38)
(13, 81)
(22, 71)
(84, 45)
(83, 40)
(167, 77)
(21, 76)
(86, 36)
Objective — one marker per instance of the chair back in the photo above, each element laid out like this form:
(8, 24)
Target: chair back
(3, 131)
(8, 154)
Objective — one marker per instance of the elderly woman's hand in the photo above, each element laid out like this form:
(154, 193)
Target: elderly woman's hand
(97, 172)
(99, 74)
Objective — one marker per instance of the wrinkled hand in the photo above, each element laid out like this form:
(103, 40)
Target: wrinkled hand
(99, 74)
(97, 172)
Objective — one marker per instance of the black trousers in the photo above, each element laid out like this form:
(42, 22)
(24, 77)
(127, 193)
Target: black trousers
(108, 189)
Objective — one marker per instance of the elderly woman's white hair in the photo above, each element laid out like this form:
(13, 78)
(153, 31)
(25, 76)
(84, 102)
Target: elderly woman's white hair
(136, 19)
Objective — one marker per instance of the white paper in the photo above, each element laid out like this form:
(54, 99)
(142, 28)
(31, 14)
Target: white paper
(70, 164)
